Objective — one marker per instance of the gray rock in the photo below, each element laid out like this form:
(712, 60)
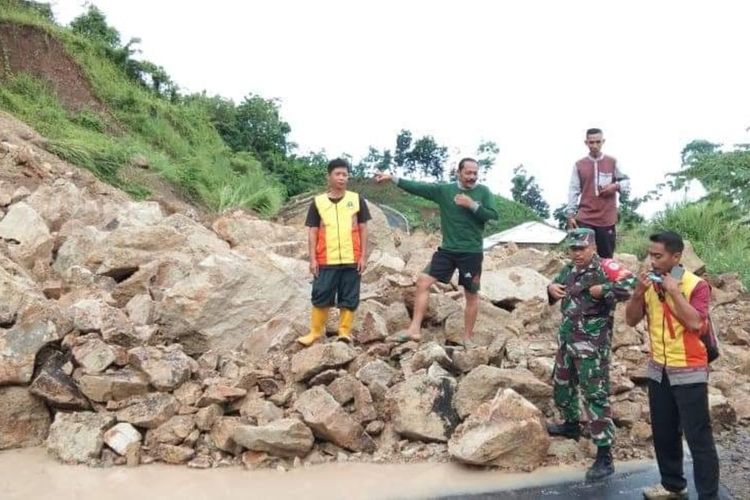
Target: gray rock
(507, 432)
(121, 437)
(330, 421)
(166, 368)
(151, 411)
(282, 438)
(116, 385)
(320, 357)
(24, 420)
(78, 437)
(421, 408)
(94, 355)
(19, 346)
(482, 383)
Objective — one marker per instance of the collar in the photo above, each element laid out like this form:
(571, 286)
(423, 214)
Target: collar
(464, 188)
(601, 155)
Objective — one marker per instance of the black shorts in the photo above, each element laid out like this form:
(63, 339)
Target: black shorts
(336, 286)
(469, 265)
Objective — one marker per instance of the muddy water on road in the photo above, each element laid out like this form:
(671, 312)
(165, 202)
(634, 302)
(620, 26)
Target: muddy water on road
(31, 474)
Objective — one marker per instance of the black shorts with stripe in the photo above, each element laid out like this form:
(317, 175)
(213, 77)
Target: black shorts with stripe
(469, 264)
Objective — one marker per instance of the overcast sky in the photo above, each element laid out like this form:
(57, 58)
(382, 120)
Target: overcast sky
(529, 75)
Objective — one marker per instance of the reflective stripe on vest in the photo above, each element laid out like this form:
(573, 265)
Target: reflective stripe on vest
(338, 235)
(684, 348)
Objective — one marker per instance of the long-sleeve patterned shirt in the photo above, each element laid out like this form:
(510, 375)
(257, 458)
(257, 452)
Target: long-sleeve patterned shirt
(587, 319)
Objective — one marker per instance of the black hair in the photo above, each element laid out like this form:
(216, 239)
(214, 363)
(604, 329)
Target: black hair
(672, 241)
(593, 131)
(464, 161)
(338, 163)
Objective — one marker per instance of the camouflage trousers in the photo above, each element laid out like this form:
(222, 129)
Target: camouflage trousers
(581, 365)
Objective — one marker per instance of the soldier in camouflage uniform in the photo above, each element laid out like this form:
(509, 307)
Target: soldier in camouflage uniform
(589, 288)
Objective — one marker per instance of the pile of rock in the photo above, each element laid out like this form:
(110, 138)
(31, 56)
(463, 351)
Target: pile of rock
(128, 335)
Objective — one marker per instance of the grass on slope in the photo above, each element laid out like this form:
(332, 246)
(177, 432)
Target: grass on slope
(177, 139)
(714, 228)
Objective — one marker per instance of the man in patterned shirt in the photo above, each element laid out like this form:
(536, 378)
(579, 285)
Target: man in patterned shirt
(589, 288)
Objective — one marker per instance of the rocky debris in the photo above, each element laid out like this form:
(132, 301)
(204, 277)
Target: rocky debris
(27, 234)
(421, 408)
(173, 431)
(24, 419)
(507, 432)
(56, 387)
(329, 421)
(115, 385)
(185, 334)
(78, 437)
(93, 355)
(172, 454)
(320, 357)
(512, 285)
(121, 437)
(482, 383)
(19, 345)
(282, 438)
(149, 411)
(378, 375)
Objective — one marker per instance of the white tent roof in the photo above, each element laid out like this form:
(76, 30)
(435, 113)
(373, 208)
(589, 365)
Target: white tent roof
(529, 233)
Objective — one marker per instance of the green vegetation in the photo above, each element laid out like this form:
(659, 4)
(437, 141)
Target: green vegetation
(716, 233)
(176, 136)
(424, 214)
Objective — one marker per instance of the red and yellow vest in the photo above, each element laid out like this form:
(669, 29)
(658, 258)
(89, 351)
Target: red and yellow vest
(684, 349)
(338, 236)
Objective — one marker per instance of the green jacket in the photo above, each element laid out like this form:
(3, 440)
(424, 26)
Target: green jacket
(462, 227)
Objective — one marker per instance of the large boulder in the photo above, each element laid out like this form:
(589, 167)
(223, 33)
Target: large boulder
(20, 344)
(508, 432)
(28, 236)
(287, 437)
(56, 387)
(24, 420)
(78, 437)
(320, 357)
(482, 383)
(96, 316)
(150, 411)
(421, 407)
(166, 368)
(328, 420)
(225, 299)
(113, 385)
(492, 324)
(546, 263)
(512, 285)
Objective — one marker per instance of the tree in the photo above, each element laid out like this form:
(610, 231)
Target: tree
(560, 216)
(403, 146)
(429, 157)
(93, 25)
(486, 154)
(526, 191)
(628, 217)
(724, 174)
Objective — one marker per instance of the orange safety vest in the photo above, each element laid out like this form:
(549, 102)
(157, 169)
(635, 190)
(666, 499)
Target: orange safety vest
(338, 236)
(675, 346)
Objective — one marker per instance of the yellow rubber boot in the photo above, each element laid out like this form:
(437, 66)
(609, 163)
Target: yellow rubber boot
(318, 318)
(345, 325)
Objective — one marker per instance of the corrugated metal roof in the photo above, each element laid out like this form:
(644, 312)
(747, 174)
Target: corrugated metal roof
(529, 232)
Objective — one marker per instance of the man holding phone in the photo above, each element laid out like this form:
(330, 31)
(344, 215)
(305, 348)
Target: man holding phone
(675, 303)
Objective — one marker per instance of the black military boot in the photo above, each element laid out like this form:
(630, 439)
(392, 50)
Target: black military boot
(603, 465)
(570, 430)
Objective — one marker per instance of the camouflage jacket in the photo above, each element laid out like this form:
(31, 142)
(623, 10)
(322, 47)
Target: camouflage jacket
(586, 319)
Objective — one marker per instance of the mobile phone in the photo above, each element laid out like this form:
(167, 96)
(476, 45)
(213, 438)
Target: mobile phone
(654, 277)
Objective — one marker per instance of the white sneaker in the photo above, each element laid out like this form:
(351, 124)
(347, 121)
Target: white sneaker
(659, 492)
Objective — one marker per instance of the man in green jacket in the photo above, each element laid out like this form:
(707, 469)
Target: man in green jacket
(465, 207)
